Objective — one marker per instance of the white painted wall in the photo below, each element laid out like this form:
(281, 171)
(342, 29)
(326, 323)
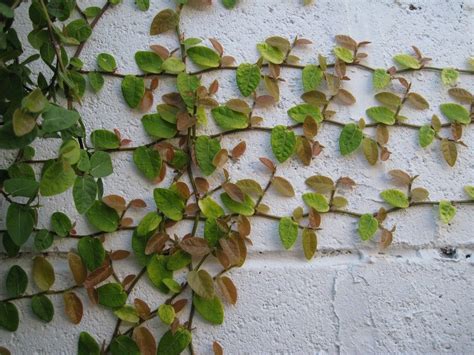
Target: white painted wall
(350, 298)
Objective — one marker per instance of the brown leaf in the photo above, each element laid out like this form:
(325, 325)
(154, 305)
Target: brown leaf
(310, 127)
(119, 254)
(272, 87)
(264, 101)
(93, 295)
(73, 307)
(163, 52)
(238, 105)
(227, 288)
(214, 87)
(156, 243)
(217, 348)
(116, 202)
(234, 192)
(283, 186)
(381, 215)
(195, 246)
(138, 203)
(239, 150)
(462, 95)
(231, 250)
(126, 222)
(145, 341)
(382, 134)
(179, 305)
(142, 308)
(154, 83)
(243, 225)
(302, 42)
(316, 98)
(385, 154)
(386, 239)
(418, 101)
(217, 46)
(202, 184)
(220, 158)
(450, 151)
(314, 218)
(268, 163)
(419, 194)
(304, 150)
(320, 183)
(227, 61)
(78, 269)
(345, 97)
(346, 181)
(184, 121)
(346, 41)
(97, 276)
(400, 177)
(128, 279)
(191, 209)
(147, 101)
(456, 130)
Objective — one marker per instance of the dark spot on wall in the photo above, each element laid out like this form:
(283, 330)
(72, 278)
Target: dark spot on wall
(448, 252)
(413, 7)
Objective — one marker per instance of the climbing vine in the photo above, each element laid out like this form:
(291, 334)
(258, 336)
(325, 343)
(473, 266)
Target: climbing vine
(44, 107)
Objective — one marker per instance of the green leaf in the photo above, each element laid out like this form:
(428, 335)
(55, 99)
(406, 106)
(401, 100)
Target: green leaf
(9, 318)
(157, 271)
(173, 65)
(96, 81)
(174, 343)
(70, 151)
(248, 78)
(133, 89)
(149, 62)
(344, 54)
(92, 252)
(158, 127)
(60, 8)
(283, 143)
(229, 119)
(23, 122)
(178, 260)
(103, 139)
(206, 149)
(169, 203)
(35, 101)
(149, 223)
(43, 239)
(84, 163)
(10, 247)
(396, 198)
(42, 308)
(100, 164)
(148, 161)
(270, 53)
(24, 187)
(166, 313)
(380, 79)
(210, 309)
(20, 222)
(212, 232)
(57, 118)
(60, 224)
(368, 226)
(8, 139)
(84, 193)
(350, 138)
(204, 56)
(316, 201)
(164, 21)
(288, 231)
(426, 135)
(446, 211)
(91, 11)
(103, 217)
(201, 283)
(210, 208)
(78, 29)
(87, 345)
(449, 76)
(300, 112)
(57, 178)
(43, 273)
(16, 281)
(310, 243)
(245, 208)
(123, 345)
(6, 11)
(187, 85)
(143, 5)
(312, 76)
(407, 61)
(128, 314)
(455, 113)
(106, 62)
(470, 191)
(112, 295)
(381, 114)
(229, 4)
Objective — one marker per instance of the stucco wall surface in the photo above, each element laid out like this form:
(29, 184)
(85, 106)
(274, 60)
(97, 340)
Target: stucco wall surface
(352, 298)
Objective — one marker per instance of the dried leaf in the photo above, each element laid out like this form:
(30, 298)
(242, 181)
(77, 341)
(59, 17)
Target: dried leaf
(283, 186)
(73, 307)
(145, 341)
(234, 192)
(195, 246)
(227, 288)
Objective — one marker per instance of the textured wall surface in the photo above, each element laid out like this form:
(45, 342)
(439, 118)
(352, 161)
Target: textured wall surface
(351, 298)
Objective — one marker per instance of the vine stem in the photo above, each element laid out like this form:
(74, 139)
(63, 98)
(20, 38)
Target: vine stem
(49, 292)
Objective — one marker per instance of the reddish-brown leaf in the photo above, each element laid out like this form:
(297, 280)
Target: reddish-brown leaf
(142, 308)
(156, 243)
(145, 341)
(238, 150)
(116, 202)
(234, 192)
(268, 163)
(217, 348)
(195, 246)
(119, 254)
(217, 46)
(227, 288)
